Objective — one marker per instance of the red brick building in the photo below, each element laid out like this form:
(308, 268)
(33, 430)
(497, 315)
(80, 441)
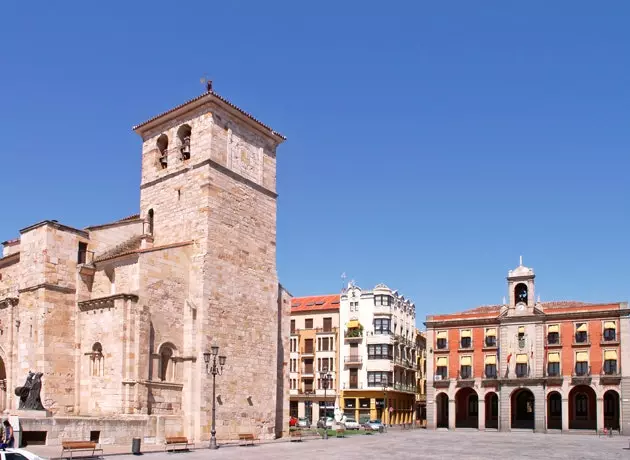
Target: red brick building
(526, 364)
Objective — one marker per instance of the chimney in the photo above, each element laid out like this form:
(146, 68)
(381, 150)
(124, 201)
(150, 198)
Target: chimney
(209, 86)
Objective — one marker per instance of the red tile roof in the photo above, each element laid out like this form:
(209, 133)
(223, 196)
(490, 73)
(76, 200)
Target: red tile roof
(119, 221)
(220, 98)
(315, 303)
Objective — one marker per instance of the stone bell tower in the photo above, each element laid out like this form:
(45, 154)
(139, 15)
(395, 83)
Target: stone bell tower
(521, 288)
(209, 186)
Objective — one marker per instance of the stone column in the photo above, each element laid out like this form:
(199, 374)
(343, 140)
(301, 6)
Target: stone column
(504, 409)
(451, 414)
(599, 407)
(540, 409)
(565, 414)
(481, 411)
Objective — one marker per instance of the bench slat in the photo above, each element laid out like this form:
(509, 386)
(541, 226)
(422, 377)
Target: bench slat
(78, 444)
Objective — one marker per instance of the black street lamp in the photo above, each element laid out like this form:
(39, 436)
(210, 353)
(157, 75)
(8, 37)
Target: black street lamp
(325, 376)
(212, 368)
(308, 393)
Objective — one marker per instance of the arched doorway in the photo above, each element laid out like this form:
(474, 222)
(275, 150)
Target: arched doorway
(582, 408)
(554, 411)
(522, 402)
(492, 410)
(611, 409)
(466, 408)
(441, 407)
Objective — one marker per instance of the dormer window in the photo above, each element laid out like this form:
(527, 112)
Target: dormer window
(162, 145)
(183, 134)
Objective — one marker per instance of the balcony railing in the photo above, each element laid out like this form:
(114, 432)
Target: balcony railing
(352, 386)
(307, 351)
(352, 360)
(466, 375)
(553, 341)
(490, 343)
(582, 372)
(325, 330)
(579, 340)
(404, 387)
(490, 375)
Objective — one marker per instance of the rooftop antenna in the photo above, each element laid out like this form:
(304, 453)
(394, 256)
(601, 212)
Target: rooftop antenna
(206, 82)
(343, 281)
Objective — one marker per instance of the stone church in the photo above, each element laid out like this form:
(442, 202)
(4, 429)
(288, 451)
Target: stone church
(117, 316)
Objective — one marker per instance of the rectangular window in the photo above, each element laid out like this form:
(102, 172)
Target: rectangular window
(82, 253)
(491, 337)
(553, 334)
(381, 326)
(380, 351)
(308, 323)
(294, 345)
(292, 326)
(442, 368)
(491, 367)
(465, 367)
(610, 362)
(553, 364)
(382, 300)
(379, 379)
(581, 363)
(327, 324)
(581, 333)
(522, 365)
(465, 338)
(610, 331)
(308, 346)
(521, 332)
(442, 340)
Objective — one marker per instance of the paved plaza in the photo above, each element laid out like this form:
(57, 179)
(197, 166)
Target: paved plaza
(424, 444)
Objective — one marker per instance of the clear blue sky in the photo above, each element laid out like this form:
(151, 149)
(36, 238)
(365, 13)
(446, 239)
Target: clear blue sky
(429, 143)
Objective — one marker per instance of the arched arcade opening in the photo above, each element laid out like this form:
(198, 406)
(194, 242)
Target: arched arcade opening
(522, 405)
(441, 408)
(466, 408)
(582, 408)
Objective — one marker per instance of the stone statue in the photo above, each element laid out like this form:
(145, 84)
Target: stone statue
(29, 392)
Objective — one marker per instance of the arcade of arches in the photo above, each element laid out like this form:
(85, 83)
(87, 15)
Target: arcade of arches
(580, 411)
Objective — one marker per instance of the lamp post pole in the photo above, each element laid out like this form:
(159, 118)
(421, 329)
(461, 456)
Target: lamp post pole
(308, 393)
(210, 358)
(325, 376)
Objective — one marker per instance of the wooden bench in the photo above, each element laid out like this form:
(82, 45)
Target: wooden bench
(341, 432)
(80, 446)
(295, 435)
(174, 441)
(246, 439)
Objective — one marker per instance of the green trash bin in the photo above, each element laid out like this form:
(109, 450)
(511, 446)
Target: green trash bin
(135, 446)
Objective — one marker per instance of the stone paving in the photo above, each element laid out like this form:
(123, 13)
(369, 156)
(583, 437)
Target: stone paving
(423, 444)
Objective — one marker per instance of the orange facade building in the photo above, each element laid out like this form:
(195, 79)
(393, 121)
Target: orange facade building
(530, 365)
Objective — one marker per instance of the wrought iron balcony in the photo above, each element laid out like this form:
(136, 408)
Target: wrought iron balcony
(352, 360)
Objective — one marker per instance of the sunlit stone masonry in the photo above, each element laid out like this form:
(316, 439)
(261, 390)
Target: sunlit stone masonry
(117, 316)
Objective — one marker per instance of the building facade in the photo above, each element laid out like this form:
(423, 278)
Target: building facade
(378, 374)
(118, 316)
(421, 378)
(529, 364)
(314, 346)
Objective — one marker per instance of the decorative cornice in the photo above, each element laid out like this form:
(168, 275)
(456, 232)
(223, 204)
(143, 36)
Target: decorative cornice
(167, 385)
(105, 302)
(10, 259)
(50, 287)
(222, 169)
(537, 318)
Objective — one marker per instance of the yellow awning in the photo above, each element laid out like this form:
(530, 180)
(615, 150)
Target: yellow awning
(610, 354)
(466, 361)
(553, 357)
(610, 325)
(442, 361)
(553, 328)
(521, 359)
(581, 327)
(491, 359)
(491, 332)
(581, 357)
(442, 335)
(353, 324)
(464, 333)
(521, 329)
